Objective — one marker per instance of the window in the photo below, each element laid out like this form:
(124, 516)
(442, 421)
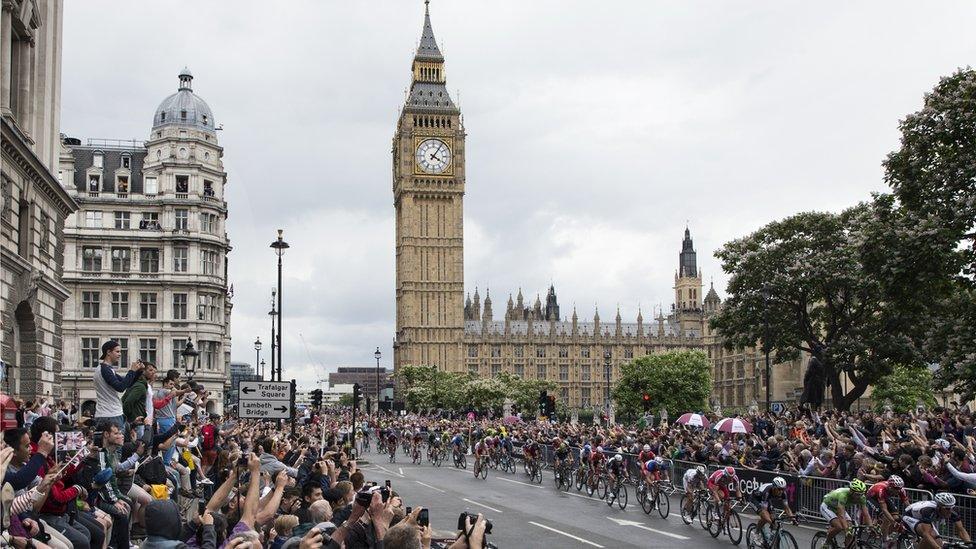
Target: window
(98, 160)
(120, 305)
(496, 370)
(123, 220)
(147, 305)
(90, 304)
(564, 394)
(126, 162)
(563, 351)
(183, 116)
(520, 370)
(540, 371)
(208, 188)
(628, 352)
(204, 120)
(540, 352)
(147, 349)
(43, 220)
(178, 346)
(585, 396)
(123, 350)
(564, 372)
(472, 351)
(496, 351)
(150, 220)
(519, 351)
(180, 254)
(207, 307)
(208, 223)
(93, 220)
(208, 260)
(149, 260)
(162, 116)
(122, 184)
(121, 260)
(179, 306)
(181, 219)
(182, 183)
(585, 352)
(91, 259)
(473, 369)
(90, 352)
(208, 354)
(585, 372)
(151, 186)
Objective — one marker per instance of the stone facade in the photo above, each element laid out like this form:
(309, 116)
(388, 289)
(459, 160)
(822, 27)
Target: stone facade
(532, 341)
(33, 205)
(146, 254)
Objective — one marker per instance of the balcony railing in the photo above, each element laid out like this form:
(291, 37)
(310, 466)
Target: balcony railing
(92, 194)
(121, 195)
(182, 196)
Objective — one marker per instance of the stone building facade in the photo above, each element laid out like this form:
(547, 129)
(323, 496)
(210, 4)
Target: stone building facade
(530, 340)
(33, 205)
(146, 254)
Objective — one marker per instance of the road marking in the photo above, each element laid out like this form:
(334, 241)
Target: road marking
(481, 505)
(400, 469)
(391, 472)
(622, 522)
(565, 534)
(429, 486)
(518, 482)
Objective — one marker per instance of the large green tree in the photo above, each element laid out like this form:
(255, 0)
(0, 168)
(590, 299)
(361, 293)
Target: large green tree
(814, 279)
(933, 175)
(679, 381)
(904, 388)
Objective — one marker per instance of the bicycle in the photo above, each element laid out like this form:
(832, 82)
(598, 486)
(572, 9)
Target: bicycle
(864, 537)
(779, 538)
(563, 476)
(580, 476)
(460, 461)
(392, 448)
(699, 498)
(730, 523)
(654, 497)
(435, 457)
(405, 444)
(617, 492)
(532, 468)
(480, 469)
(416, 457)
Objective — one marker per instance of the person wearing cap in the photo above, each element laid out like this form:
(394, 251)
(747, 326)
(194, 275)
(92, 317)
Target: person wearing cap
(165, 529)
(109, 386)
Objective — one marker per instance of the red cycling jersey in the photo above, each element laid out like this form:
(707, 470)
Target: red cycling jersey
(715, 480)
(644, 457)
(885, 491)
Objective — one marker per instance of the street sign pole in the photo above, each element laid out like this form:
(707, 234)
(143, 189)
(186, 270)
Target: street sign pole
(294, 415)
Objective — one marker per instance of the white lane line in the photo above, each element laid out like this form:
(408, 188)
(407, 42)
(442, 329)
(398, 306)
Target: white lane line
(401, 475)
(429, 486)
(565, 534)
(400, 469)
(642, 527)
(481, 505)
(518, 482)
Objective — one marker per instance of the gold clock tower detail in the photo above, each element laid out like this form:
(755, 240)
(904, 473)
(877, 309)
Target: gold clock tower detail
(428, 193)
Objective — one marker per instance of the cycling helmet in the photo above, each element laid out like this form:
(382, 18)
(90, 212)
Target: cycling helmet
(658, 459)
(858, 486)
(647, 447)
(700, 469)
(779, 482)
(945, 499)
(730, 471)
(896, 482)
(599, 449)
(618, 457)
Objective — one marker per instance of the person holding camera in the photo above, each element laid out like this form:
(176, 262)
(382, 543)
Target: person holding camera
(109, 386)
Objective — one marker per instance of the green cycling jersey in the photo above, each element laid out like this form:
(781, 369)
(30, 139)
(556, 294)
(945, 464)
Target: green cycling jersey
(842, 496)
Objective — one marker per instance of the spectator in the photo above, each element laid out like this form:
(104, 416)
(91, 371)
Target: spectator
(108, 385)
(137, 401)
(165, 529)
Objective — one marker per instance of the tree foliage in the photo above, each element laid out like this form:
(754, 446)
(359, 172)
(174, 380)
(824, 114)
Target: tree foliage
(679, 381)
(904, 388)
(427, 388)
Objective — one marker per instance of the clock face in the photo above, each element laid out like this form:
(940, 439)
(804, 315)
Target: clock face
(433, 156)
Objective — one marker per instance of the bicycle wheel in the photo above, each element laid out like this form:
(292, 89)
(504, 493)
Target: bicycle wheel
(647, 501)
(701, 509)
(484, 472)
(819, 541)
(905, 541)
(750, 532)
(611, 496)
(622, 497)
(590, 483)
(464, 462)
(537, 475)
(580, 479)
(601, 487)
(733, 526)
(687, 515)
(713, 520)
(641, 492)
(663, 504)
(785, 540)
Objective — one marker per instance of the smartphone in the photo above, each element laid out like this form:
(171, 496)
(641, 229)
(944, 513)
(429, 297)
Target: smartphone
(388, 483)
(409, 510)
(423, 519)
(201, 507)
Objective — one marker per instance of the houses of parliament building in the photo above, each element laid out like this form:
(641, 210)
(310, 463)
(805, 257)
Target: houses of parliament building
(437, 325)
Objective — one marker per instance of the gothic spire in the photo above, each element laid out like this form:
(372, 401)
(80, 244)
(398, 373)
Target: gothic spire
(428, 50)
(687, 259)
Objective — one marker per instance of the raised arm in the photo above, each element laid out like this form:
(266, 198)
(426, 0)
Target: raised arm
(253, 491)
(269, 504)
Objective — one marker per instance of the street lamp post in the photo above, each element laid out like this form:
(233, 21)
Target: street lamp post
(262, 369)
(279, 246)
(257, 350)
(189, 355)
(274, 338)
(377, 355)
(606, 365)
(766, 294)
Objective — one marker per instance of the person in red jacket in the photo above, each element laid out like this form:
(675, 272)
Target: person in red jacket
(84, 532)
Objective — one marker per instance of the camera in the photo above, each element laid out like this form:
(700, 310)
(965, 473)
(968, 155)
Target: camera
(463, 522)
(364, 496)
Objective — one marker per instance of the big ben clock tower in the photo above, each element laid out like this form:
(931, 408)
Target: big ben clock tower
(428, 193)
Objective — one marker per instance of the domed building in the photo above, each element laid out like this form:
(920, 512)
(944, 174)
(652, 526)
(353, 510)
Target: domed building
(146, 254)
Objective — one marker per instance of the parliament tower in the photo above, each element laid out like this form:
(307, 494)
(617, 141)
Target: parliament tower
(428, 193)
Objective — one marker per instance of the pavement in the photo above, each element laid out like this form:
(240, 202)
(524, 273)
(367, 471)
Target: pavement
(528, 515)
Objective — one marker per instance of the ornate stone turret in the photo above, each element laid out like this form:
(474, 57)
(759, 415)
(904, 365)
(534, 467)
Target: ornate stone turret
(712, 302)
(509, 308)
(519, 302)
(596, 321)
(618, 330)
(467, 308)
(640, 322)
(575, 322)
(537, 308)
(476, 305)
(552, 305)
(486, 317)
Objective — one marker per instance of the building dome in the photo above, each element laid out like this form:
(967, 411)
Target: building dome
(184, 108)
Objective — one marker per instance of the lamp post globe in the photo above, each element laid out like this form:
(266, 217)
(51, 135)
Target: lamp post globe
(189, 355)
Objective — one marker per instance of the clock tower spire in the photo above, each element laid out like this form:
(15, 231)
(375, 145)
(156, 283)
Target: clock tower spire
(428, 193)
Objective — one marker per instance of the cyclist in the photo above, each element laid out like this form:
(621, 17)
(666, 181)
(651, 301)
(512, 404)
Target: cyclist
(562, 454)
(531, 452)
(652, 470)
(506, 445)
(920, 519)
(480, 452)
(886, 499)
(692, 480)
(458, 444)
(767, 495)
(836, 503)
(433, 444)
(616, 469)
(596, 460)
(418, 439)
(645, 454)
(718, 485)
(391, 442)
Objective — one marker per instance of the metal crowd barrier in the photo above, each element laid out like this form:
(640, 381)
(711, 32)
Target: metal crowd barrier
(966, 508)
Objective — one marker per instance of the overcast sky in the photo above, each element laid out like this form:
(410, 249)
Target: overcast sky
(596, 130)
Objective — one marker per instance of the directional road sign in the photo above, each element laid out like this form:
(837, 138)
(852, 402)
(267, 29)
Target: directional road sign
(265, 400)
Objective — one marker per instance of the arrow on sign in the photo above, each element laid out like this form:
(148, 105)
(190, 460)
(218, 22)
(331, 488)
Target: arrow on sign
(282, 409)
(247, 390)
(624, 522)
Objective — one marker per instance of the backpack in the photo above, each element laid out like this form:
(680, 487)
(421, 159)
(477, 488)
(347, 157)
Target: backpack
(209, 437)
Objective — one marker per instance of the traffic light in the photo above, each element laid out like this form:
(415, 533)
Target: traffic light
(646, 400)
(357, 395)
(543, 403)
(317, 398)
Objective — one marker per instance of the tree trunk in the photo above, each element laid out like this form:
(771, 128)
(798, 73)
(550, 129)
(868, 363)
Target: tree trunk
(840, 400)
